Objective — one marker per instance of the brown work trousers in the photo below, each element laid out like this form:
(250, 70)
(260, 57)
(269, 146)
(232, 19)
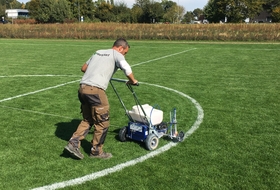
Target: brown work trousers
(95, 110)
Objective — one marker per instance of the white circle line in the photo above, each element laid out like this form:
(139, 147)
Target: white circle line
(121, 166)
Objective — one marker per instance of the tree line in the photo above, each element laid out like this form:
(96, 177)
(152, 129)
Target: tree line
(142, 11)
(237, 11)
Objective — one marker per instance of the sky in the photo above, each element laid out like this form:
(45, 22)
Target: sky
(189, 5)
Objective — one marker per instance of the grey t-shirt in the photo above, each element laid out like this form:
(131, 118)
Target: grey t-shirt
(101, 67)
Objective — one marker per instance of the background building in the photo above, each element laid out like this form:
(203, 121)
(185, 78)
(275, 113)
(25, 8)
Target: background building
(15, 13)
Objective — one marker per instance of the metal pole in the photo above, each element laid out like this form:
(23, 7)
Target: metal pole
(178, 12)
(79, 10)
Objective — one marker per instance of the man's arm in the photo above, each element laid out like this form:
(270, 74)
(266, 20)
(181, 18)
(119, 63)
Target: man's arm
(84, 68)
(131, 78)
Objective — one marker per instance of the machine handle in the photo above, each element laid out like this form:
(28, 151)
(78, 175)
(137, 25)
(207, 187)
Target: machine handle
(119, 80)
(125, 81)
(136, 84)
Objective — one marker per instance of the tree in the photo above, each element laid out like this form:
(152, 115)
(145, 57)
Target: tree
(104, 12)
(13, 4)
(172, 12)
(83, 8)
(45, 11)
(33, 8)
(276, 14)
(26, 6)
(145, 6)
(197, 13)
(214, 10)
(60, 11)
(155, 12)
(136, 14)
(236, 11)
(171, 15)
(2, 7)
(181, 12)
(166, 4)
(87, 9)
(49, 11)
(10, 4)
(75, 9)
(269, 5)
(272, 7)
(122, 13)
(188, 17)
(253, 8)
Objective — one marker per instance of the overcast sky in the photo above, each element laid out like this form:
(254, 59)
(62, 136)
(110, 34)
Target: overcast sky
(189, 5)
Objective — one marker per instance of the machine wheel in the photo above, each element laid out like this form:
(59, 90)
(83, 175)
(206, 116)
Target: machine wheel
(163, 125)
(151, 141)
(122, 134)
(181, 136)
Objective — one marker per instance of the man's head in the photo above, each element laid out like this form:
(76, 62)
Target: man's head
(121, 46)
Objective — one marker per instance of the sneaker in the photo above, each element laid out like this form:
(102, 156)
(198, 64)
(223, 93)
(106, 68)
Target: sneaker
(104, 155)
(74, 151)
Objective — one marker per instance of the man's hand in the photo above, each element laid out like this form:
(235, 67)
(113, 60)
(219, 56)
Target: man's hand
(84, 68)
(132, 80)
(135, 82)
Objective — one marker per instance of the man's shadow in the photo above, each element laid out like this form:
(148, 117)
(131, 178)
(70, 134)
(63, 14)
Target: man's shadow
(65, 130)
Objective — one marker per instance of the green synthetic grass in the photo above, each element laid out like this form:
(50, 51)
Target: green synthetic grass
(236, 146)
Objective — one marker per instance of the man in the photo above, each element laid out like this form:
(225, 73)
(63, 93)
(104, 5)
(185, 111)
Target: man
(98, 71)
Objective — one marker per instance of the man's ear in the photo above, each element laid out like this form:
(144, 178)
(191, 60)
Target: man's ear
(120, 49)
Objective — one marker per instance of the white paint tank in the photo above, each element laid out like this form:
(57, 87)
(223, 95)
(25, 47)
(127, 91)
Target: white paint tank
(154, 116)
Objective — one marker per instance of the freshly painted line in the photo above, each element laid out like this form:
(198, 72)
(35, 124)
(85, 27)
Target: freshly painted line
(47, 75)
(163, 57)
(44, 89)
(50, 75)
(36, 112)
(95, 175)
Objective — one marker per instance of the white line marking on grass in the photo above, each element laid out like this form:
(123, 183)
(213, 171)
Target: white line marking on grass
(44, 89)
(47, 75)
(36, 112)
(121, 166)
(163, 57)
(51, 75)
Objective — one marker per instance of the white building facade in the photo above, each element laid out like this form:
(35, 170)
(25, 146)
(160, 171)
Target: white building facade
(15, 13)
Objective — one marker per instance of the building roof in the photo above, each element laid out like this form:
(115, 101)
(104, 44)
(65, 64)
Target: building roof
(16, 10)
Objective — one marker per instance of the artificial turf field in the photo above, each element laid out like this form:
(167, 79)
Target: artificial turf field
(227, 97)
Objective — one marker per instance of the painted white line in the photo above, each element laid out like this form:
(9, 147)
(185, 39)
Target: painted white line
(46, 75)
(44, 89)
(36, 112)
(95, 175)
(163, 57)
(50, 75)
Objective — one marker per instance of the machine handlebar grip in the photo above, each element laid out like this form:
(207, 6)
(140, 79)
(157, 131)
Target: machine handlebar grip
(125, 81)
(136, 84)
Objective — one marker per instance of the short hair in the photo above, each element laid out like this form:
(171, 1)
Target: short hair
(121, 42)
